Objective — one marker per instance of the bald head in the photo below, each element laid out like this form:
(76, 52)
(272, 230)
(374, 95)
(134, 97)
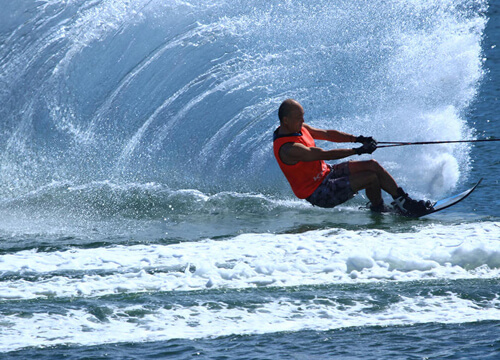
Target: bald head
(287, 107)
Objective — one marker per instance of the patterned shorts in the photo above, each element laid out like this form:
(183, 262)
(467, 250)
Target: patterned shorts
(335, 188)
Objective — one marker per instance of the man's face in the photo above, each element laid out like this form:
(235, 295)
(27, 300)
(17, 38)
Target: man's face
(295, 119)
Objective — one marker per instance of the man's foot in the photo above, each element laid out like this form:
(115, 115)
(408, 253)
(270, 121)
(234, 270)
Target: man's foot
(381, 208)
(409, 207)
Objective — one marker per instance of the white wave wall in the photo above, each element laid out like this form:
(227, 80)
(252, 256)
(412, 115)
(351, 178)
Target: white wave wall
(185, 93)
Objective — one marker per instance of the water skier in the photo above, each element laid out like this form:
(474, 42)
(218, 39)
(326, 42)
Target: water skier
(303, 164)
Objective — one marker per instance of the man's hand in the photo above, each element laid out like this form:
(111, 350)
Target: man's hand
(367, 148)
(365, 139)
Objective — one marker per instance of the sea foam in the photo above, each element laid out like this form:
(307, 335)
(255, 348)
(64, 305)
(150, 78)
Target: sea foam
(335, 256)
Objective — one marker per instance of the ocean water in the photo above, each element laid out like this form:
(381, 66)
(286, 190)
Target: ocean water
(143, 215)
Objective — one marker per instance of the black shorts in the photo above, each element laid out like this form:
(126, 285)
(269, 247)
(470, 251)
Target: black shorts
(335, 188)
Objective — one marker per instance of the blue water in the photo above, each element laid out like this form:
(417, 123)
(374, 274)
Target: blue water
(144, 216)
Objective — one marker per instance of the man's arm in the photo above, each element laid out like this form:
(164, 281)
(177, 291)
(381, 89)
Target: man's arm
(330, 135)
(292, 153)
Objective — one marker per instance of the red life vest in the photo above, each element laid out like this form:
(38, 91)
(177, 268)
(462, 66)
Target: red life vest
(305, 176)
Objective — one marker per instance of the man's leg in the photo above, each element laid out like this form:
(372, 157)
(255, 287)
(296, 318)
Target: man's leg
(372, 177)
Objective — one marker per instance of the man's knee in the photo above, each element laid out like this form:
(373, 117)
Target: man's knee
(365, 165)
(373, 165)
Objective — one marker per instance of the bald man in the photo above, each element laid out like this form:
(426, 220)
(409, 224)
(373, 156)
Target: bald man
(303, 164)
